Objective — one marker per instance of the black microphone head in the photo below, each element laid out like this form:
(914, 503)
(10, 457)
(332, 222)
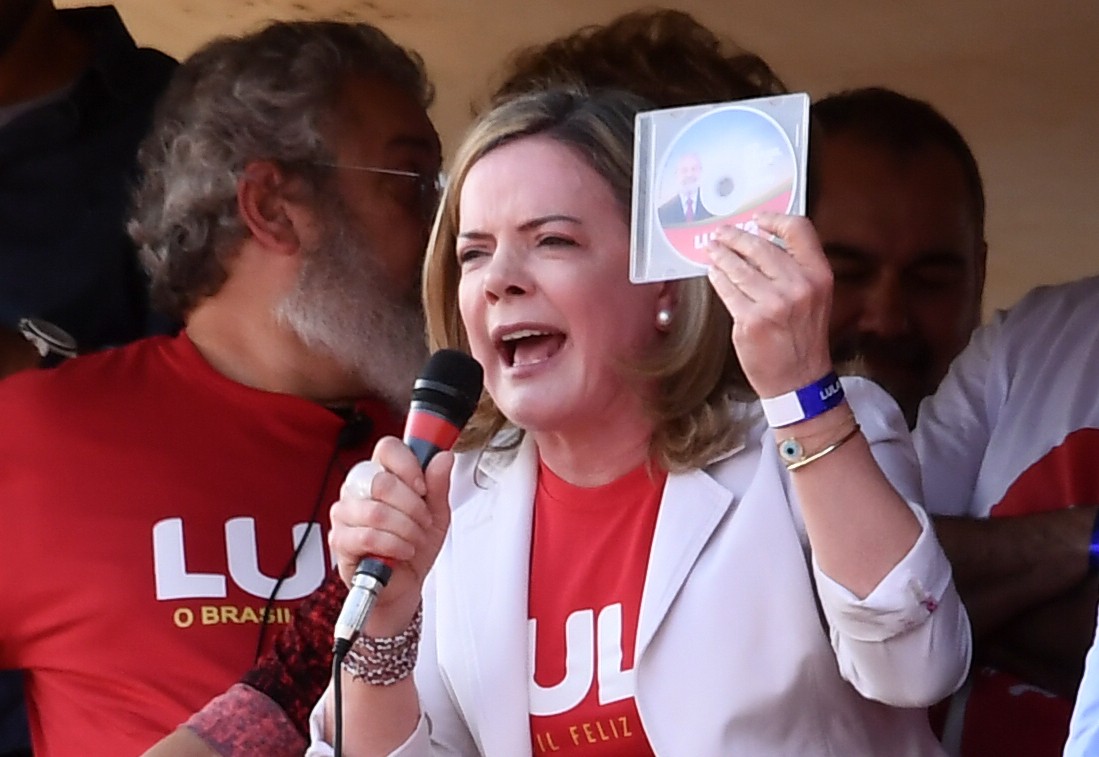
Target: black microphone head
(451, 384)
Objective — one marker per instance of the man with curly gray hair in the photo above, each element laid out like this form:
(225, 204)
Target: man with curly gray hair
(162, 499)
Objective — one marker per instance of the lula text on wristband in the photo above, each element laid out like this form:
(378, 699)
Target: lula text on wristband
(805, 403)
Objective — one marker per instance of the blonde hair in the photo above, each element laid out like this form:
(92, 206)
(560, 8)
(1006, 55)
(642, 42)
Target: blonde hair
(695, 368)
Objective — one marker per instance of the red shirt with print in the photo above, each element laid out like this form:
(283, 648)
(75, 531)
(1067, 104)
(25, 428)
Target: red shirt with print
(589, 556)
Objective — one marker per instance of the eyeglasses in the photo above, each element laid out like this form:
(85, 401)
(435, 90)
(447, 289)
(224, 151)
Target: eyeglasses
(429, 187)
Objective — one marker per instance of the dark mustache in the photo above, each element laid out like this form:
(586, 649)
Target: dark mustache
(905, 352)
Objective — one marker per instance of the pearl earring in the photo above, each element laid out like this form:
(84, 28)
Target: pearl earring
(663, 318)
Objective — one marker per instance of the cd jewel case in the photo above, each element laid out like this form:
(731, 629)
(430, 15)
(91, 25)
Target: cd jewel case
(700, 167)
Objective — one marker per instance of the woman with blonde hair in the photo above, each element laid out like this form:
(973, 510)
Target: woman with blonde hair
(631, 553)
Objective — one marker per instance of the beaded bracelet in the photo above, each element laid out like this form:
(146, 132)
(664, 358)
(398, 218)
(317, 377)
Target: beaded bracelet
(386, 660)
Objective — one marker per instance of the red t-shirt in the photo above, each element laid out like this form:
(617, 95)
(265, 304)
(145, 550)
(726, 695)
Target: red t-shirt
(589, 556)
(149, 504)
(1004, 714)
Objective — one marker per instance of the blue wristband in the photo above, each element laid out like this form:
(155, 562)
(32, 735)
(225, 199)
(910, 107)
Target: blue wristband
(1093, 549)
(805, 403)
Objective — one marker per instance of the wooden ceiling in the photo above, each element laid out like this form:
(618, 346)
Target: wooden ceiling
(1019, 78)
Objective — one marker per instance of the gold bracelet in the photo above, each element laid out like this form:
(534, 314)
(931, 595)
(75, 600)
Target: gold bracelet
(792, 452)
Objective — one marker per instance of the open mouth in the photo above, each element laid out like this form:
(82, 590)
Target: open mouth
(529, 346)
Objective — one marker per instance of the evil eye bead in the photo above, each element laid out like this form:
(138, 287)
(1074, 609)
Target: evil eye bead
(791, 451)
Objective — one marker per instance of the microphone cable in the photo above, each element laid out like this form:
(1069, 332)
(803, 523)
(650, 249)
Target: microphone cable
(337, 701)
(356, 429)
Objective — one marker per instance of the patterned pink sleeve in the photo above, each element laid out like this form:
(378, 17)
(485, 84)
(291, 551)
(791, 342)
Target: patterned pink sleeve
(244, 722)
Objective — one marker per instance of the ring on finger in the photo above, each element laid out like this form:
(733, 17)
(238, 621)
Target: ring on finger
(360, 480)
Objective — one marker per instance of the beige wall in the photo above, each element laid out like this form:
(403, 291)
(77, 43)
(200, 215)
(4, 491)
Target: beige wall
(1019, 78)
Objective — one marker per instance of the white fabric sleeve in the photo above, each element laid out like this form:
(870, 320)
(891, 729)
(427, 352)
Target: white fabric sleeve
(908, 643)
(954, 424)
(318, 747)
(417, 743)
(1083, 732)
(440, 730)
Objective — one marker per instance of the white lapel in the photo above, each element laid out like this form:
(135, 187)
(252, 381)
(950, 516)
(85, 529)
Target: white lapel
(693, 505)
(491, 537)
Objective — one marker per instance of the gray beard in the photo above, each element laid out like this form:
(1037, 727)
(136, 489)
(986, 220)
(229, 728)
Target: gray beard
(345, 306)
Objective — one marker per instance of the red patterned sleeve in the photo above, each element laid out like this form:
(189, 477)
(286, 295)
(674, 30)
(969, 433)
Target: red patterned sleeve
(242, 721)
(271, 704)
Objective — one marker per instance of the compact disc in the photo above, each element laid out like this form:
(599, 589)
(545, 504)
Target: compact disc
(722, 168)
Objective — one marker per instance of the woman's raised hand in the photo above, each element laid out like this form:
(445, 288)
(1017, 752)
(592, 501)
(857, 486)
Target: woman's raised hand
(780, 301)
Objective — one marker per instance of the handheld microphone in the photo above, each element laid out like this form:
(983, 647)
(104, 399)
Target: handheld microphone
(443, 398)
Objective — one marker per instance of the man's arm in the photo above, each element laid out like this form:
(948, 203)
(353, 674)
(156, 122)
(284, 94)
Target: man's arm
(1005, 567)
(269, 709)
(1046, 646)
(298, 669)
(183, 742)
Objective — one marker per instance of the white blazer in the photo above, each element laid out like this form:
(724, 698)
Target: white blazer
(743, 645)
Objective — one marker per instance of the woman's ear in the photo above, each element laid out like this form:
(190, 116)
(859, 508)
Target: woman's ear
(266, 208)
